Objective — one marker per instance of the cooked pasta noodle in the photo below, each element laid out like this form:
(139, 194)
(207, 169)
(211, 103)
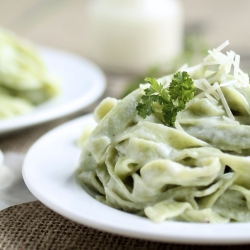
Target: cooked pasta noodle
(196, 172)
(25, 81)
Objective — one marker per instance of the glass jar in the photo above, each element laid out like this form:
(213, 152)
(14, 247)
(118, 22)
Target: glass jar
(132, 36)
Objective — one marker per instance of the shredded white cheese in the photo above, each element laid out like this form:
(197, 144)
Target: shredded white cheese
(229, 120)
(215, 51)
(224, 102)
(178, 126)
(210, 89)
(232, 82)
(236, 66)
(211, 98)
(225, 75)
(209, 81)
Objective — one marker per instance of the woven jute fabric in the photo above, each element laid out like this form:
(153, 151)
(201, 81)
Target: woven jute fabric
(34, 226)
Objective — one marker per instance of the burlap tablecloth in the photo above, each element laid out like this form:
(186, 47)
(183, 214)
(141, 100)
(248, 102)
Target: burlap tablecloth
(33, 226)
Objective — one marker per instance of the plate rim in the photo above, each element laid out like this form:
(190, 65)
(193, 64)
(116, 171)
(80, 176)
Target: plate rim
(211, 231)
(49, 114)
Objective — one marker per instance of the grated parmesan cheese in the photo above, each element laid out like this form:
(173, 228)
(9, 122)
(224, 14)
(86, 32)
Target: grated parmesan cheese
(229, 120)
(209, 82)
(178, 126)
(211, 90)
(210, 98)
(218, 49)
(236, 66)
(223, 75)
(224, 102)
(232, 82)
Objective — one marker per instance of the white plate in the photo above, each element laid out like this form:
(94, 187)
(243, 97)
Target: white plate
(48, 172)
(82, 83)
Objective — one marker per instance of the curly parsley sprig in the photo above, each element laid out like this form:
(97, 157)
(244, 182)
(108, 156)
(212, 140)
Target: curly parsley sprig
(172, 100)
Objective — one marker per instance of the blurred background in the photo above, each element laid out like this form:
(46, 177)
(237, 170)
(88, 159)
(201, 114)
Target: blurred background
(72, 25)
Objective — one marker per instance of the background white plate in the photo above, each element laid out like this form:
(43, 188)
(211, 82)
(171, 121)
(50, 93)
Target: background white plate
(82, 83)
(48, 172)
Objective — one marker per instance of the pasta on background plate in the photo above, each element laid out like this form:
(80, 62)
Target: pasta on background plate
(25, 81)
(197, 169)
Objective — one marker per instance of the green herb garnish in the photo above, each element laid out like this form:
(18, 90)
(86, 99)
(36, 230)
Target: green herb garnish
(171, 100)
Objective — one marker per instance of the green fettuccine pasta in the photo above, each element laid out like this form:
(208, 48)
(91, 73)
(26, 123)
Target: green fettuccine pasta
(24, 79)
(196, 171)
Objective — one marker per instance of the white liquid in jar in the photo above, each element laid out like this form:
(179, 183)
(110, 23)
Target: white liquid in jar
(132, 36)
